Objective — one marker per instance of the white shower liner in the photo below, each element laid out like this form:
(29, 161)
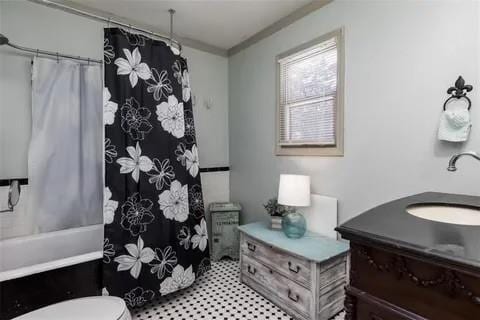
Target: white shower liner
(23, 256)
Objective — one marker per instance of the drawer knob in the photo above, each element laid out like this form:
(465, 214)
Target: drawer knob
(292, 297)
(296, 269)
(251, 246)
(251, 269)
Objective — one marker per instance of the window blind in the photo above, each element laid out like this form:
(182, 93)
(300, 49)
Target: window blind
(308, 96)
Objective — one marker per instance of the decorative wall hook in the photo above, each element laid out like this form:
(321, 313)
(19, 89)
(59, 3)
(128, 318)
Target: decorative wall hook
(459, 91)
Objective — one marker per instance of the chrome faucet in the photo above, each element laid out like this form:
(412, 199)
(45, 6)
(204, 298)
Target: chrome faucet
(455, 157)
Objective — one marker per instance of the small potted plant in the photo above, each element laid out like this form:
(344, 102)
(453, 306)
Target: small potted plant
(276, 212)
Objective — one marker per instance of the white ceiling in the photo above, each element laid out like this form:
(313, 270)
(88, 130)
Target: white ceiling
(222, 24)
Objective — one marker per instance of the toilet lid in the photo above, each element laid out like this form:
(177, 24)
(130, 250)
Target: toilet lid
(98, 308)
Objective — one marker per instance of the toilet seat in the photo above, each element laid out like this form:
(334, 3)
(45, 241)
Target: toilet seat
(98, 308)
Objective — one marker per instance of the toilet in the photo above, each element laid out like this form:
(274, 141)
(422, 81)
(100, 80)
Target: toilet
(98, 308)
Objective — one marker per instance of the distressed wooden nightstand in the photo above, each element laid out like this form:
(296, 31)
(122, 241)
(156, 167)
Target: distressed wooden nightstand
(305, 277)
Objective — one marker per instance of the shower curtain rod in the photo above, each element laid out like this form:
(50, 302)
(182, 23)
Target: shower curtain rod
(93, 16)
(4, 41)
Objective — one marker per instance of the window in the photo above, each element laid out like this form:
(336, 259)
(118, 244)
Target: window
(310, 98)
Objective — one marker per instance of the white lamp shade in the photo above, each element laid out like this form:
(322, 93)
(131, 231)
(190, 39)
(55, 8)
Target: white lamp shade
(294, 190)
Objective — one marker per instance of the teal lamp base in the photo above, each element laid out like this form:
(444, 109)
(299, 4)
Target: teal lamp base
(294, 225)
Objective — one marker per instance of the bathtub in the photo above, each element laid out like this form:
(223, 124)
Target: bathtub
(27, 255)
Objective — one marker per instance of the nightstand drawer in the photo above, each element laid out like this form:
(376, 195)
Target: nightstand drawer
(292, 294)
(292, 267)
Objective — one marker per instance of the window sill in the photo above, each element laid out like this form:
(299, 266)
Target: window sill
(336, 151)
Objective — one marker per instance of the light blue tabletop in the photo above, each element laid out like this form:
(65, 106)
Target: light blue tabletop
(312, 246)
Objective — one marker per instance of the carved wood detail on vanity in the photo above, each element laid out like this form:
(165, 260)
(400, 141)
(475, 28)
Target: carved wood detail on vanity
(446, 279)
(407, 287)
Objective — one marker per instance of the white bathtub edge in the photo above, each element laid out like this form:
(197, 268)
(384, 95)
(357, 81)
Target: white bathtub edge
(51, 265)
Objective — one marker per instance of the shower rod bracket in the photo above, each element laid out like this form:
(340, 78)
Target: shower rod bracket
(172, 12)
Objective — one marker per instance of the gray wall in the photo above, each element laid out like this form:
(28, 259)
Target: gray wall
(401, 56)
(36, 26)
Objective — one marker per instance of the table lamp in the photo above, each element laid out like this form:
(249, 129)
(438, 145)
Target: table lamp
(294, 191)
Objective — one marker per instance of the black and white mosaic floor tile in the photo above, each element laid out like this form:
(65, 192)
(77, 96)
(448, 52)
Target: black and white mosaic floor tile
(218, 295)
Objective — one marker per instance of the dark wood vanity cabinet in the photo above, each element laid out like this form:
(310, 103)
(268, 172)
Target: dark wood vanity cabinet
(387, 284)
(403, 268)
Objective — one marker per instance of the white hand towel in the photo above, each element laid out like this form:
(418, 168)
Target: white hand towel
(454, 125)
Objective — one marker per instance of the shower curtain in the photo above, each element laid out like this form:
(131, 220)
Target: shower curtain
(65, 154)
(155, 231)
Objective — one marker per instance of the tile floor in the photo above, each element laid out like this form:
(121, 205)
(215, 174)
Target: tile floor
(217, 295)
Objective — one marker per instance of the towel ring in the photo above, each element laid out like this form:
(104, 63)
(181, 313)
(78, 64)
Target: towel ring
(458, 98)
(459, 91)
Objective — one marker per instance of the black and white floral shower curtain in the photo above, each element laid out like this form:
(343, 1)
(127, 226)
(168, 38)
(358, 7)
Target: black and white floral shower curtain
(155, 231)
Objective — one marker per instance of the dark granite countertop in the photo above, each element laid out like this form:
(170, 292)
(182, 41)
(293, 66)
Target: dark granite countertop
(392, 225)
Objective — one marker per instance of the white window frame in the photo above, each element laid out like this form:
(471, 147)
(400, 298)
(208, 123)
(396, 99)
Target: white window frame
(316, 150)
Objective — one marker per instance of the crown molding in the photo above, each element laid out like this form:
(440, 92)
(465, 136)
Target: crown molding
(278, 25)
(191, 43)
(200, 45)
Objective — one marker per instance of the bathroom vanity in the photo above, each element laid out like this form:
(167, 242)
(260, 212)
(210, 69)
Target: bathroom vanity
(407, 266)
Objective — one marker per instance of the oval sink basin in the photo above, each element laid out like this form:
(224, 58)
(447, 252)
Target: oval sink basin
(453, 214)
